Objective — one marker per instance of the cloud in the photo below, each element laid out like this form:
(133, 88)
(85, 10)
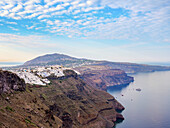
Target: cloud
(95, 19)
(30, 27)
(15, 29)
(4, 13)
(89, 2)
(11, 22)
(50, 22)
(23, 41)
(7, 6)
(43, 16)
(17, 8)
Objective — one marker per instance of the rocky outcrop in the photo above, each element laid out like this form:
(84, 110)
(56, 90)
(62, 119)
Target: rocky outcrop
(10, 82)
(101, 79)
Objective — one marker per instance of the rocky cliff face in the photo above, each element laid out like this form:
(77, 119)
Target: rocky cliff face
(86, 106)
(102, 78)
(10, 82)
(68, 103)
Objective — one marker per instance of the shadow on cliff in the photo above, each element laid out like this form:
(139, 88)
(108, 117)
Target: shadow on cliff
(117, 88)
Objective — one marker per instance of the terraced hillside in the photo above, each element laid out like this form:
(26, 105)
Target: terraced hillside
(68, 103)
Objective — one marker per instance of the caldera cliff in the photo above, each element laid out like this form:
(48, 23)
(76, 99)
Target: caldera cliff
(101, 77)
(10, 82)
(68, 102)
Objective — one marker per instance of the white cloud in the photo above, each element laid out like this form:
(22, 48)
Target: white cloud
(43, 16)
(15, 29)
(138, 19)
(75, 2)
(4, 13)
(32, 15)
(10, 43)
(17, 8)
(31, 2)
(79, 21)
(30, 27)
(31, 40)
(50, 22)
(57, 21)
(8, 6)
(65, 4)
(89, 2)
(11, 22)
(29, 7)
(76, 12)
(81, 4)
(38, 28)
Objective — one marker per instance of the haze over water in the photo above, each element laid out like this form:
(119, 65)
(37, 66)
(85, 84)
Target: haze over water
(9, 64)
(148, 108)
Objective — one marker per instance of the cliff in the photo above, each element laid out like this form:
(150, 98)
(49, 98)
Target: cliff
(101, 77)
(68, 103)
(10, 82)
(133, 67)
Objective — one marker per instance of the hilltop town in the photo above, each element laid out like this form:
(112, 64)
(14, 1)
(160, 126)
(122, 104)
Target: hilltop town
(37, 75)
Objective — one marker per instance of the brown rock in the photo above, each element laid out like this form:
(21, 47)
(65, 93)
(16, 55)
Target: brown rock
(10, 82)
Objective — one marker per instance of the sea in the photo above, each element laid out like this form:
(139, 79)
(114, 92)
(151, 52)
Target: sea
(9, 64)
(148, 108)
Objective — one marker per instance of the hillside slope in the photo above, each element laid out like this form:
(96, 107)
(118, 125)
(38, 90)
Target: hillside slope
(60, 59)
(56, 59)
(68, 103)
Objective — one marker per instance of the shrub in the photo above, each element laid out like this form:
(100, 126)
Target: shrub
(9, 109)
(29, 122)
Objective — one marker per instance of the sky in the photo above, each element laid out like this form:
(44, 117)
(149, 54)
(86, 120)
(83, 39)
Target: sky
(114, 30)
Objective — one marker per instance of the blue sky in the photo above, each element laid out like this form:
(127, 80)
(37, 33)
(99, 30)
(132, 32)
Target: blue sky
(116, 30)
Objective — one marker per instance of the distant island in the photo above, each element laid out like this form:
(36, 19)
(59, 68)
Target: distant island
(68, 61)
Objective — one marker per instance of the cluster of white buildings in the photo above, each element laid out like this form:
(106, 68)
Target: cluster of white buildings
(38, 75)
(32, 78)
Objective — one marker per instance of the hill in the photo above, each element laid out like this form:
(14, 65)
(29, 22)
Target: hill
(57, 59)
(67, 61)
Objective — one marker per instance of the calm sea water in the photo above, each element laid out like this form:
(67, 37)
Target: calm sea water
(8, 64)
(148, 108)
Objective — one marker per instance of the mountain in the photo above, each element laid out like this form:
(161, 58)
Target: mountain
(67, 103)
(65, 60)
(56, 59)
